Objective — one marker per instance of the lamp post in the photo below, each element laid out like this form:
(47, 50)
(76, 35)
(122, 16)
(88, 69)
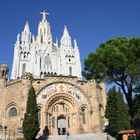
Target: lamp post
(5, 134)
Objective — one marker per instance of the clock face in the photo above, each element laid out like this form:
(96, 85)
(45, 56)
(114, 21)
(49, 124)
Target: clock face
(47, 60)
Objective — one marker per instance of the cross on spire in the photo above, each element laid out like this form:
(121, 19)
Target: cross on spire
(44, 15)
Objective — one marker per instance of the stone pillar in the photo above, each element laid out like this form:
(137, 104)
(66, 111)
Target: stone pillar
(56, 125)
(79, 127)
(26, 80)
(42, 120)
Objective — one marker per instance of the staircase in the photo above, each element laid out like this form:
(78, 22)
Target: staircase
(95, 136)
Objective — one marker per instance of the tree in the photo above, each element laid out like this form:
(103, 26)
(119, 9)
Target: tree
(30, 123)
(116, 112)
(137, 113)
(110, 113)
(117, 61)
(122, 112)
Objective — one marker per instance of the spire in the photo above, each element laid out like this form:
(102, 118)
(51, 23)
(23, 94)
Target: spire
(33, 39)
(26, 28)
(18, 37)
(66, 39)
(26, 34)
(66, 33)
(57, 41)
(18, 40)
(44, 15)
(75, 44)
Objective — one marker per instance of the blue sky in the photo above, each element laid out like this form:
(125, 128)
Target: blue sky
(91, 22)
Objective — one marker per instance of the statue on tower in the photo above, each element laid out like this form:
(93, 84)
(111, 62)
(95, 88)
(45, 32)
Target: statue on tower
(44, 15)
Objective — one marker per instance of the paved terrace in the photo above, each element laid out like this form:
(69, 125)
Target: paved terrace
(97, 136)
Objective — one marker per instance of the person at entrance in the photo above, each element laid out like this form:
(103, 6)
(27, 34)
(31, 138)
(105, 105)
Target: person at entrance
(67, 134)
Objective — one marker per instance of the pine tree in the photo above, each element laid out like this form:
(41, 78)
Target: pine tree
(116, 112)
(30, 123)
(117, 61)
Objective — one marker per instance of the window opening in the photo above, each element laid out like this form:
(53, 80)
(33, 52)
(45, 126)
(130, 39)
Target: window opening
(13, 112)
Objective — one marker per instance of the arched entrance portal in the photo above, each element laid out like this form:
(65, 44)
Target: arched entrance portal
(61, 110)
(61, 125)
(63, 107)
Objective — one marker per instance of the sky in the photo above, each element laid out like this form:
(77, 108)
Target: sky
(91, 22)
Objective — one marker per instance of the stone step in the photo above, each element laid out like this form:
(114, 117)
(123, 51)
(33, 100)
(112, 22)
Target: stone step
(95, 136)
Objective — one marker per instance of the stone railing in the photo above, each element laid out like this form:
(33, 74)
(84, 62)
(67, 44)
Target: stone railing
(7, 134)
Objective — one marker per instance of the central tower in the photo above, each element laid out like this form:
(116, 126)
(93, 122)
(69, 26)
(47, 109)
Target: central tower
(40, 56)
(44, 36)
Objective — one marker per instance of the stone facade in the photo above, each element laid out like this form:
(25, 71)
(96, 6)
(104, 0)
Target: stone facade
(65, 101)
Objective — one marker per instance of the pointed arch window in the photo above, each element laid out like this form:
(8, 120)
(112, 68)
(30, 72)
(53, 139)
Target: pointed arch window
(25, 55)
(28, 55)
(41, 39)
(40, 31)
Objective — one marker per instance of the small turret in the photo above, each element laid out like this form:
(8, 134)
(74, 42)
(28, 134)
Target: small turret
(3, 71)
(3, 74)
(27, 79)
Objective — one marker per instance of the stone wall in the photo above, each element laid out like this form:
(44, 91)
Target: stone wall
(92, 99)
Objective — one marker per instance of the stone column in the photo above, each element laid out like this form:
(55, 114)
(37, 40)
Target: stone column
(56, 125)
(41, 119)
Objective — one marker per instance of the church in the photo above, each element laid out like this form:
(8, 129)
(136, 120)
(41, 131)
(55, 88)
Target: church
(66, 101)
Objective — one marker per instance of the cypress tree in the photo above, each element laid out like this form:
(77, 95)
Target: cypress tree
(116, 112)
(30, 123)
(123, 117)
(111, 108)
(137, 114)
